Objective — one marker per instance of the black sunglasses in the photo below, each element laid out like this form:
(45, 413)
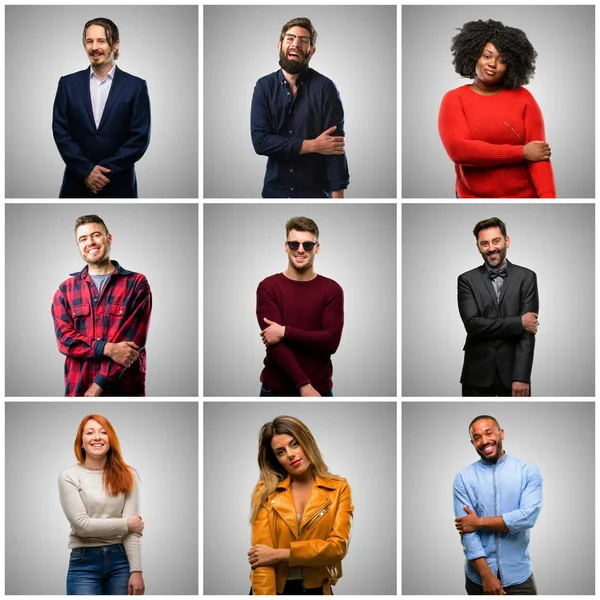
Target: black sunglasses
(308, 246)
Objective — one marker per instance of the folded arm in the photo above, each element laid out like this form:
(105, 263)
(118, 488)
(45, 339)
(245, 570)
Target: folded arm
(139, 136)
(471, 542)
(70, 342)
(264, 139)
(134, 329)
(76, 513)
(68, 148)
(331, 550)
(328, 338)
(461, 148)
(484, 327)
(541, 171)
(530, 505)
(131, 541)
(526, 344)
(263, 578)
(337, 164)
(267, 307)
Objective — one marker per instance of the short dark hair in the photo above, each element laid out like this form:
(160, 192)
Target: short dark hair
(301, 224)
(480, 418)
(300, 22)
(516, 50)
(90, 219)
(487, 223)
(110, 30)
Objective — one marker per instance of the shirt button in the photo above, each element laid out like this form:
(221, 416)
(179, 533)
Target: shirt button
(97, 318)
(291, 170)
(291, 189)
(288, 93)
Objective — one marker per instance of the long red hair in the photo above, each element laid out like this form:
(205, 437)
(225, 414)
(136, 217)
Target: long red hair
(117, 476)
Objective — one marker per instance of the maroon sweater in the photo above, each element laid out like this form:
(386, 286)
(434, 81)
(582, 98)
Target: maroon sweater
(313, 315)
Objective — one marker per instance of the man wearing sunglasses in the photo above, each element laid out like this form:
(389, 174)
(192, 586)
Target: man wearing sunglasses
(301, 315)
(297, 120)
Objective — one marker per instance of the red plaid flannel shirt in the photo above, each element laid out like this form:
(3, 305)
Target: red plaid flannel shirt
(84, 321)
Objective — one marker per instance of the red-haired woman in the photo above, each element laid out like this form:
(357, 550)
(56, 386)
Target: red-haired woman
(99, 497)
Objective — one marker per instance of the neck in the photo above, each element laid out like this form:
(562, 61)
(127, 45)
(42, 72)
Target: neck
(103, 268)
(484, 89)
(94, 464)
(305, 275)
(495, 461)
(103, 71)
(306, 478)
(291, 79)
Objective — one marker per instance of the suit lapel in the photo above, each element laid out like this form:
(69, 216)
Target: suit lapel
(84, 90)
(115, 90)
(487, 282)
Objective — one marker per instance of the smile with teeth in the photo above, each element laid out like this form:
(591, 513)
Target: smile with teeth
(293, 55)
(488, 449)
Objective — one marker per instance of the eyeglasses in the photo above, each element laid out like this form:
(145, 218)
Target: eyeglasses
(307, 246)
(290, 37)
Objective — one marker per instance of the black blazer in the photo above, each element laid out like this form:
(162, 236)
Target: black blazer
(119, 142)
(496, 340)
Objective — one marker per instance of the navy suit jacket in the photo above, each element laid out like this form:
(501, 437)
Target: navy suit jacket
(496, 340)
(117, 144)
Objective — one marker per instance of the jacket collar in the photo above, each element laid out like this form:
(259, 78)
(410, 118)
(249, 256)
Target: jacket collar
(119, 270)
(321, 482)
(489, 465)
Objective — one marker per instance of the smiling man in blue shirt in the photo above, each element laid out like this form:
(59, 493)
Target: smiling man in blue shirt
(297, 120)
(496, 502)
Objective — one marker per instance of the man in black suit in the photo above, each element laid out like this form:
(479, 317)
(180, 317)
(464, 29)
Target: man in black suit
(101, 121)
(498, 303)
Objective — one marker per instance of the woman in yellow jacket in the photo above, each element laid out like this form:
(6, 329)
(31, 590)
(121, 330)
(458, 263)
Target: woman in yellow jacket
(301, 514)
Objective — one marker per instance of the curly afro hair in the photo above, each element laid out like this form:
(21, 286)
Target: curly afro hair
(510, 42)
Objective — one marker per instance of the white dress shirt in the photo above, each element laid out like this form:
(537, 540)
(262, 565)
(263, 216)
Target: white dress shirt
(99, 91)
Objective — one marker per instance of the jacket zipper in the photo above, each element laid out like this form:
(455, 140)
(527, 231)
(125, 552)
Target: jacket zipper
(317, 515)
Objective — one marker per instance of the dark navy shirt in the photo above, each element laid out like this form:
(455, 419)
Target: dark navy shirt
(280, 121)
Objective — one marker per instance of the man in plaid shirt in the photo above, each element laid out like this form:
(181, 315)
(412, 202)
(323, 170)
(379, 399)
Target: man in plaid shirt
(101, 317)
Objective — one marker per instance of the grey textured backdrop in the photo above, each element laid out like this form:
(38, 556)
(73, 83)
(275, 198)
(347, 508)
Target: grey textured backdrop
(557, 437)
(244, 244)
(563, 36)
(158, 44)
(356, 49)
(158, 240)
(554, 240)
(230, 450)
(158, 439)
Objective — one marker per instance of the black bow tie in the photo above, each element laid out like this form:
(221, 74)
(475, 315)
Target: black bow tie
(499, 273)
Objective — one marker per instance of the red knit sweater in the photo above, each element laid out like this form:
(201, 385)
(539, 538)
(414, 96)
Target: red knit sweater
(484, 136)
(313, 315)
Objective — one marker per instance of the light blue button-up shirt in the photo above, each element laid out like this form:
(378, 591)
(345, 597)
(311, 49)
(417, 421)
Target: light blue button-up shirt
(512, 488)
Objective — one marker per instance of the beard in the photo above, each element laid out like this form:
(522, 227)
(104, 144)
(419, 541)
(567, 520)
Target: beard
(496, 262)
(293, 67)
(99, 259)
(302, 267)
(495, 456)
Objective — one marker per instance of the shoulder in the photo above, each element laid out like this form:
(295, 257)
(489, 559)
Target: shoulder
(467, 471)
(129, 78)
(69, 474)
(467, 275)
(68, 284)
(456, 94)
(268, 80)
(272, 281)
(524, 466)
(74, 77)
(321, 79)
(523, 271)
(330, 284)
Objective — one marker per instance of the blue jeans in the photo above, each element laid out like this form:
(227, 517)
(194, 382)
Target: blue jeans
(266, 391)
(103, 570)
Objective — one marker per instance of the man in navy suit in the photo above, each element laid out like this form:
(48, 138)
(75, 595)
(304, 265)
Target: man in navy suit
(498, 303)
(101, 121)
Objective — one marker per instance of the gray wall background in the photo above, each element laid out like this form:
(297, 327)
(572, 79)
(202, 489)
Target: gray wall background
(158, 240)
(557, 437)
(230, 450)
(158, 439)
(244, 244)
(561, 35)
(554, 240)
(158, 44)
(356, 49)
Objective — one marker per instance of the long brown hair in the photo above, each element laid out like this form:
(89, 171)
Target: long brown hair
(117, 476)
(271, 470)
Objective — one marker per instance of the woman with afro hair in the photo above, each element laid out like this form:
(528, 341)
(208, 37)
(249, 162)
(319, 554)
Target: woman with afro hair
(493, 129)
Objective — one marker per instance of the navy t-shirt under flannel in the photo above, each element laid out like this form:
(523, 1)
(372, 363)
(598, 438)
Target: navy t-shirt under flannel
(280, 121)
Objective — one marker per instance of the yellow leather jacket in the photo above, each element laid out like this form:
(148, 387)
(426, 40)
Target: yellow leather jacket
(320, 546)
